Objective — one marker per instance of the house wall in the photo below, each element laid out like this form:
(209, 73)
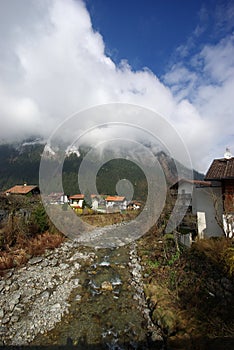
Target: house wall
(116, 205)
(183, 193)
(207, 204)
(228, 188)
(185, 187)
(77, 202)
(63, 199)
(95, 204)
(228, 223)
(109, 204)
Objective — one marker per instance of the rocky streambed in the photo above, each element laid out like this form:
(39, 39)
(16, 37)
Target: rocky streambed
(78, 295)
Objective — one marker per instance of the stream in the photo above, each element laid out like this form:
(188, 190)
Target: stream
(107, 309)
(86, 297)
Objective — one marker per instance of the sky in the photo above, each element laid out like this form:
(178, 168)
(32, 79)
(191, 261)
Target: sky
(174, 57)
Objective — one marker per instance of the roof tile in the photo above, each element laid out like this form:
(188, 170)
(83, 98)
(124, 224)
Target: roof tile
(221, 169)
(21, 189)
(115, 199)
(77, 196)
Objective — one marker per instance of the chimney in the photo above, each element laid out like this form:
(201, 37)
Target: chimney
(227, 154)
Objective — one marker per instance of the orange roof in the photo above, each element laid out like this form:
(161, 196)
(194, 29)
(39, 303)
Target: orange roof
(21, 189)
(115, 199)
(77, 196)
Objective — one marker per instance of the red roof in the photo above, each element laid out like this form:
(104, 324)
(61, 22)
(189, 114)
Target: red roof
(115, 199)
(221, 169)
(77, 196)
(21, 189)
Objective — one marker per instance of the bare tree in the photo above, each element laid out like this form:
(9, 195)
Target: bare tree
(224, 219)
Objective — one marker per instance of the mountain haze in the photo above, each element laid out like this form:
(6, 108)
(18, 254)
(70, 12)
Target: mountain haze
(20, 163)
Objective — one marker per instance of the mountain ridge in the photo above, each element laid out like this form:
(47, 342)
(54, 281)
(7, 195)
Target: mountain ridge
(20, 163)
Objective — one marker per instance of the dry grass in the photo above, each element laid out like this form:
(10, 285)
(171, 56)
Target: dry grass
(18, 247)
(229, 260)
(109, 219)
(6, 261)
(194, 281)
(219, 251)
(44, 241)
(26, 248)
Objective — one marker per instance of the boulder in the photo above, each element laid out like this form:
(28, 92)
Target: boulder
(107, 286)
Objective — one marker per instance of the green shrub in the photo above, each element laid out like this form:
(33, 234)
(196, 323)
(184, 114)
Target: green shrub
(40, 218)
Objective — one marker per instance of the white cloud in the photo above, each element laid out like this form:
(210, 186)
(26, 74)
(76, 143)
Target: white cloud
(53, 63)
(208, 83)
(218, 60)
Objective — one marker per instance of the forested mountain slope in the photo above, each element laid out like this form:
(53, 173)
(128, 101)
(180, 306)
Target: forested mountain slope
(20, 163)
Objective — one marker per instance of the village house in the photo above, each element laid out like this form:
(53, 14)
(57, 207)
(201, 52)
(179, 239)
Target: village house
(134, 205)
(98, 202)
(221, 175)
(211, 200)
(221, 172)
(76, 201)
(24, 189)
(56, 198)
(183, 190)
(115, 203)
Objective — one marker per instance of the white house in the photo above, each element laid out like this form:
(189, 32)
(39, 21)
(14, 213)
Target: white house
(202, 198)
(221, 175)
(115, 203)
(57, 198)
(98, 202)
(207, 205)
(212, 200)
(76, 200)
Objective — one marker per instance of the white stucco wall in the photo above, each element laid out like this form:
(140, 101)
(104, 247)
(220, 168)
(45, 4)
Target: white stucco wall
(228, 224)
(185, 193)
(185, 187)
(77, 202)
(203, 205)
(95, 204)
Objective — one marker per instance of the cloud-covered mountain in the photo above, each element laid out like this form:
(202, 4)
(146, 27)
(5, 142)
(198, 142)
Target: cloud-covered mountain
(53, 63)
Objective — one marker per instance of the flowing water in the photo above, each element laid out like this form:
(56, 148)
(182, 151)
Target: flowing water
(104, 311)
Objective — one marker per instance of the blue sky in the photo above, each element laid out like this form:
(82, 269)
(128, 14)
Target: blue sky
(58, 57)
(149, 33)
(146, 33)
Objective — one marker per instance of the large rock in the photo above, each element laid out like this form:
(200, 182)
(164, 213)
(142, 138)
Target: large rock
(107, 286)
(35, 260)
